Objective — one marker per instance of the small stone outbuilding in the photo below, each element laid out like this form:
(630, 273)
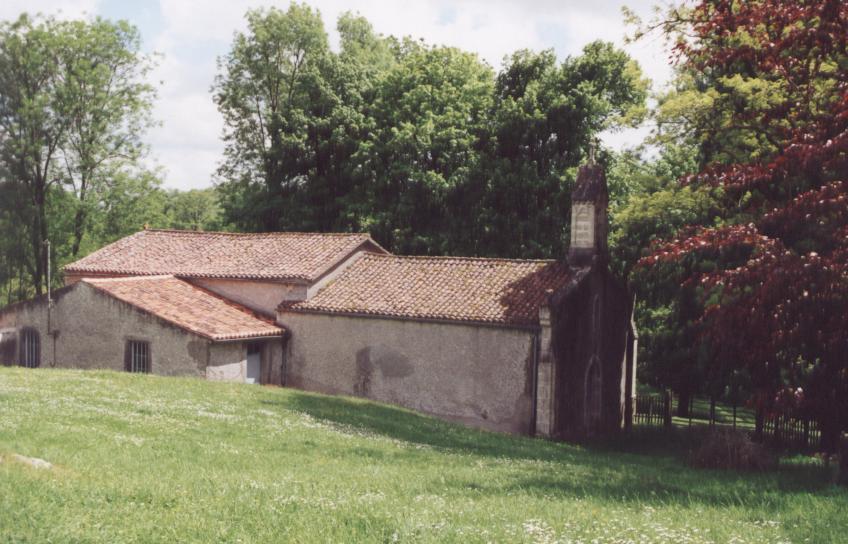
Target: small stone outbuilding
(150, 324)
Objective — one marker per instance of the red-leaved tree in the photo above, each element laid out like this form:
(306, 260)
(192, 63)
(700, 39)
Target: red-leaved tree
(776, 291)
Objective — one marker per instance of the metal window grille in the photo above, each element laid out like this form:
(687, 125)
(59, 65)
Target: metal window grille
(30, 349)
(139, 354)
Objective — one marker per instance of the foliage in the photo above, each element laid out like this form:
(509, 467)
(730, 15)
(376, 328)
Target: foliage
(196, 209)
(426, 147)
(147, 458)
(773, 277)
(73, 105)
(730, 449)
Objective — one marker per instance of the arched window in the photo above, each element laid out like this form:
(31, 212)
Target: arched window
(30, 348)
(592, 407)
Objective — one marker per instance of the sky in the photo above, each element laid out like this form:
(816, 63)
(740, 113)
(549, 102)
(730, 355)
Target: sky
(189, 36)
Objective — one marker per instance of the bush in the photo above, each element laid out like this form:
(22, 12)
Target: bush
(732, 449)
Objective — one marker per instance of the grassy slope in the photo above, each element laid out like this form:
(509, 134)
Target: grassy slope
(143, 458)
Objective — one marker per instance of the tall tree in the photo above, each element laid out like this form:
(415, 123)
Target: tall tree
(108, 102)
(429, 113)
(72, 107)
(774, 276)
(544, 117)
(32, 123)
(273, 93)
(423, 146)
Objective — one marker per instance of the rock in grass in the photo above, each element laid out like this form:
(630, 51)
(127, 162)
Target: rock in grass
(34, 462)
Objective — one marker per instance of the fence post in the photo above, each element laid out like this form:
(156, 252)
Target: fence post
(712, 411)
(843, 459)
(734, 413)
(691, 408)
(667, 410)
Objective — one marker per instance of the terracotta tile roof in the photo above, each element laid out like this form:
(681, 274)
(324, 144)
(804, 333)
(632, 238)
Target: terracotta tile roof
(188, 307)
(499, 291)
(275, 255)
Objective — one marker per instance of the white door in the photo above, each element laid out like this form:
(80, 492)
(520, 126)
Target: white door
(254, 365)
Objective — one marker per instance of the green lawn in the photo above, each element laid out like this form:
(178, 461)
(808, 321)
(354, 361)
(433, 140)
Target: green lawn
(150, 459)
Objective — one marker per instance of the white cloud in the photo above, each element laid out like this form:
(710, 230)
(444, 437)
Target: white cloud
(66, 9)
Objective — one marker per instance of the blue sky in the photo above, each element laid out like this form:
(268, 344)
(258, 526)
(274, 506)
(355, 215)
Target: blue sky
(190, 35)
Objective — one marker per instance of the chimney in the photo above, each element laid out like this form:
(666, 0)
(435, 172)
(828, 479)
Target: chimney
(589, 222)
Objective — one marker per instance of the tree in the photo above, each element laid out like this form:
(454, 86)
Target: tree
(274, 96)
(774, 276)
(425, 147)
(197, 209)
(544, 116)
(429, 114)
(32, 124)
(666, 316)
(108, 103)
(72, 107)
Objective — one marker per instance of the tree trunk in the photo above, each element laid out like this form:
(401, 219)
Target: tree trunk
(79, 231)
(684, 398)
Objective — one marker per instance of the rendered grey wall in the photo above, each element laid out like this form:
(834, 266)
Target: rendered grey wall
(227, 362)
(93, 329)
(260, 296)
(481, 376)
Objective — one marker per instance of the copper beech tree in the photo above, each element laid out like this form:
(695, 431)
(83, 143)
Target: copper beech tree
(773, 275)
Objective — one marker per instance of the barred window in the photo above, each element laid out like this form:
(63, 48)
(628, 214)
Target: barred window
(137, 356)
(30, 348)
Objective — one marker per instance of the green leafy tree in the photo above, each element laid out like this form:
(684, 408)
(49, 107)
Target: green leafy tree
(658, 207)
(274, 95)
(197, 209)
(72, 107)
(430, 113)
(544, 117)
(108, 102)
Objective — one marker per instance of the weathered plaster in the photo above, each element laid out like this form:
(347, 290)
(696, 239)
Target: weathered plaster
(89, 329)
(478, 375)
(260, 296)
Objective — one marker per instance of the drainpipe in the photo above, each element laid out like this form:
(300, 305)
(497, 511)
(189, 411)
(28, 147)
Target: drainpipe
(50, 331)
(536, 348)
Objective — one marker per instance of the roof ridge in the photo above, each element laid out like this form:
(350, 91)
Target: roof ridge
(463, 258)
(270, 233)
(130, 278)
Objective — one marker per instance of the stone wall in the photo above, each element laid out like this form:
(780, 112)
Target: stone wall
(478, 375)
(89, 329)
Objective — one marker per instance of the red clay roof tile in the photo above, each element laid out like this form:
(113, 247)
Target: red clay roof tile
(275, 255)
(188, 307)
(498, 291)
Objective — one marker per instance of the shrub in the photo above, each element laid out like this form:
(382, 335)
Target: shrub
(732, 449)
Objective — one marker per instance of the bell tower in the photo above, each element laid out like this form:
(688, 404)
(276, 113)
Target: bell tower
(589, 221)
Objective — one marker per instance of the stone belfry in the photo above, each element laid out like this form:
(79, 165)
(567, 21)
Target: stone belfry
(589, 221)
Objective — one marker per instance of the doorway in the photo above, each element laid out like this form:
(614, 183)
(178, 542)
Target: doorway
(253, 372)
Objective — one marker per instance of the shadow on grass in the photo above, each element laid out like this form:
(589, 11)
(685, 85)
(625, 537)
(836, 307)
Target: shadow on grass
(402, 424)
(646, 466)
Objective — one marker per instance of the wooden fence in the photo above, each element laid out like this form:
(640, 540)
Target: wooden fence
(653, 410)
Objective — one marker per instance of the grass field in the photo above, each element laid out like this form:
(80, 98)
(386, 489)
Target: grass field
(150, 459)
